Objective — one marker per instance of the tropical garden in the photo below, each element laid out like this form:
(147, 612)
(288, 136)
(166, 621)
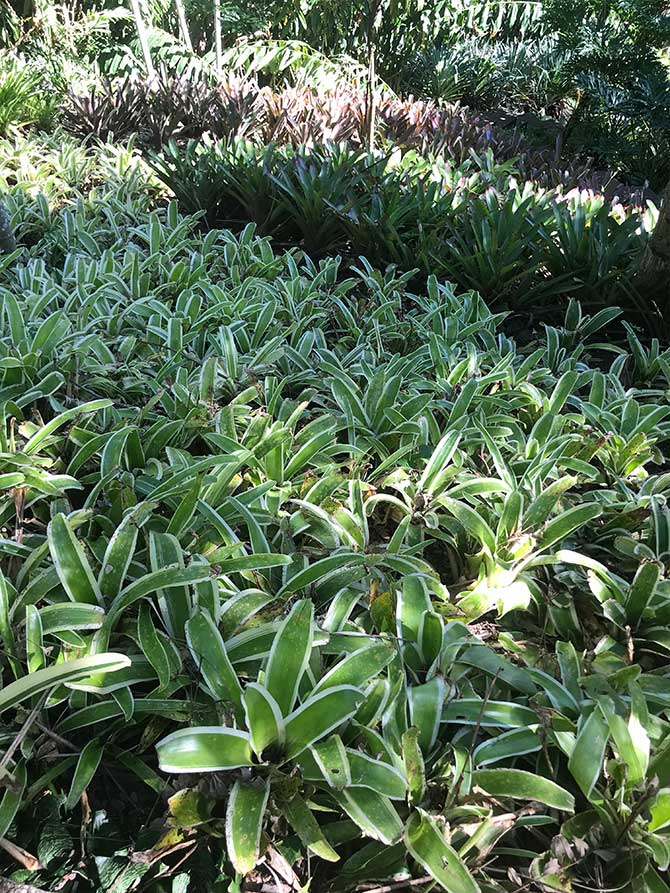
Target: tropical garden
(335, 446)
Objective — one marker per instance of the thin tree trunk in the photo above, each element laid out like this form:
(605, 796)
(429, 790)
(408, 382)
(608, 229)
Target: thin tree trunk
(217, 37)
(183, 25)
(653, 277)
(371, 97)
(143, 39)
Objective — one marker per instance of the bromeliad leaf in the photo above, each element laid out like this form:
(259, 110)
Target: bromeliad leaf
(358, 668)
(307, 828)
(87, 765)
(263, 718)
(244, 824)
(65, 673)
(209, 652)
(374, 814)
(290, 654)
(520, 785)
(204, 749)
(71, 564)
(426, 843)
(319, 716)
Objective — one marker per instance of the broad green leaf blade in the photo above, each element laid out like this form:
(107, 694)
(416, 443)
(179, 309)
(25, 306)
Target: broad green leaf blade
(244, 824)
(520, 785)
(152, 646)
(374, 814)
(164, 550)
(425, 710)
(68, 672)
(642, 590)
(65, 616)
(358, 668)
(71, 564)
(173, 577)
(565, 524)
(513, 743)
(414, 765)
(543, 505)
(40, 436)
(426, 844)
(586, 760)
(367, 772)
(87, 766)
(316, 572)
(301, 819)
(120, 550)
(290, 655)
(330, 756)
(472, 522)
(413, 602)
(204, 749)
(319, 716)
(209, 653)
(442, 455)
(263, 718)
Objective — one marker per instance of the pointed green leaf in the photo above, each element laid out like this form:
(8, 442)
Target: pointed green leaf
(426, 844)
(263, 718)
(319, 716)
(586, 760)
(520, 785)
(65, 673)
(331, 759)
(358, 668)
(425, 710)
(374, 814)
(244, 824)
(290, 654)
(209, 653)
(301, 819)
(71, 564)
(87, 766)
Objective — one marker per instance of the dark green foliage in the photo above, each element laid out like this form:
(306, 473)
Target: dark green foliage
(23, 100)
(7, 240)
(474, 224)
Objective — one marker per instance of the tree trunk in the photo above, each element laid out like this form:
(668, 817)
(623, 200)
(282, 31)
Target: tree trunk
(217, 37)
(142, 36)
(183, 25)
(371, 94)
(653, 277)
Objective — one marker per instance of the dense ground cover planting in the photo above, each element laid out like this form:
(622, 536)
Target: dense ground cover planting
(334, 524)
(310, 572)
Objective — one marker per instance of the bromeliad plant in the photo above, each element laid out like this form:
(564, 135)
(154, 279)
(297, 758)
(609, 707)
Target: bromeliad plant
(308, 565)
(269, 730)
